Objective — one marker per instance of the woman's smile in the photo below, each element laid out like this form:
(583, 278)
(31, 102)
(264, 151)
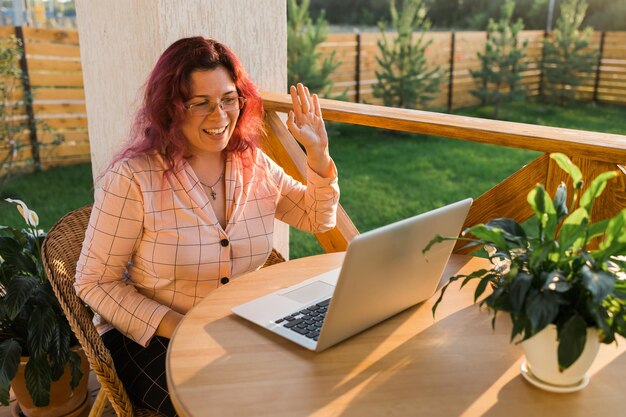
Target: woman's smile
(216, 131)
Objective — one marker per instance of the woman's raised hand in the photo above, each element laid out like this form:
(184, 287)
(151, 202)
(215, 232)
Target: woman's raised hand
(306, 124)
(305, 120)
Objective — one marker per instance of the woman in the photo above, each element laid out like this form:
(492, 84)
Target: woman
(190, 204)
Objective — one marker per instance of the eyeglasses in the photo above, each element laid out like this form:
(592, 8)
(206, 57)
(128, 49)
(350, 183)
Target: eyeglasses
(205, 107)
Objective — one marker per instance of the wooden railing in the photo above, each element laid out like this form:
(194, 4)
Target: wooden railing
(593, 152)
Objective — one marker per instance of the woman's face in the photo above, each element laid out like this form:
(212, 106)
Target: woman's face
(210, 132)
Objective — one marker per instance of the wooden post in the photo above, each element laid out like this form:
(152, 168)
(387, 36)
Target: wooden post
(541, 66)
(451, 77)
(28, 101)
(600, 53)
(357, 75)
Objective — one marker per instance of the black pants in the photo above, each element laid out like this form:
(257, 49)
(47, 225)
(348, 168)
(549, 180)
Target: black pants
(142, 370)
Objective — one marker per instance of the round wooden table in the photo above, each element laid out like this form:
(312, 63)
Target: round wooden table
(409, 365)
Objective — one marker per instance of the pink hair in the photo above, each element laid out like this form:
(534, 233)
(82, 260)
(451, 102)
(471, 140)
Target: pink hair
(157, 124)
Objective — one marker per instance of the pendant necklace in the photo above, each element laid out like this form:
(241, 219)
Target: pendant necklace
(213, 193)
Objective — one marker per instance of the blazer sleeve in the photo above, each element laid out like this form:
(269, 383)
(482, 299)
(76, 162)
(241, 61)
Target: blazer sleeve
(311, 207)
(114, 230)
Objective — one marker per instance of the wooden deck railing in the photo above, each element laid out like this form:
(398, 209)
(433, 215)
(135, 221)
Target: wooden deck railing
(593, 152)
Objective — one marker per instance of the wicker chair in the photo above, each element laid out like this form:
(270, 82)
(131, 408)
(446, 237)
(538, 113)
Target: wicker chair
(60, 252)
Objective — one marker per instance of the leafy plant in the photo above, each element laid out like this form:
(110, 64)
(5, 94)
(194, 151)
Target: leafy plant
(405, 79)
(304, 60)
(557, 276)
(12, 126)
(502, 62)
(566, 58)
(31, 320)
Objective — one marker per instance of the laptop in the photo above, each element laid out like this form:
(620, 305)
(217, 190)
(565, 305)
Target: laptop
(383, 273)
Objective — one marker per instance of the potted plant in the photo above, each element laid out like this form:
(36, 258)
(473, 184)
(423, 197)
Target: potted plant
(36, 341)
(563, 286)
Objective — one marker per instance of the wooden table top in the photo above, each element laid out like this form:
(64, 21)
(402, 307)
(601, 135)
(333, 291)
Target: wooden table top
(411, 364)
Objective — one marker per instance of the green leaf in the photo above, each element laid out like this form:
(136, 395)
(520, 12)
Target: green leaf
(601, 321)
(480, 288)
(482, 274)
(476, 274)
(540, 255)
(5, 395)
(572, 234)
(519, 288)
(10, 352)
(620, 322)
(541, 309)
(544, 209)
(556, 281)
(38, 379)
(597, 229)
(615, 230)
(442, 292)
(435, 240)
(513, 231)
(572, 336)
(498, 300)
(599, 283)
(58, 350)
(537, 203)
(489, 235)
(519, 324)
(77, 374)
(594, 189)
(620, 289)
(618, 248)
(40, 331)
(18, 293)
(15, 254)
(560, 202)
(568, 166)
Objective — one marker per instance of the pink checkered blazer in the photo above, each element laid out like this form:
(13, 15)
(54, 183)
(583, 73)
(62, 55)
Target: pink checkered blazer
(153, 242)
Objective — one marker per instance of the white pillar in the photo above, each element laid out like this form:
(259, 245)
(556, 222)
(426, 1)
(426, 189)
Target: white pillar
(120, 41)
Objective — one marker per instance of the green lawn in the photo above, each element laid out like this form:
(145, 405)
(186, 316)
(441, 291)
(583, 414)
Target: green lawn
(51, 194)
(384, 176)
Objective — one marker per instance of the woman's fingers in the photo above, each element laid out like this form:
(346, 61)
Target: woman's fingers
(317, 108)
(305, 98)
(295, 102)
(291, 122)
(301, 100)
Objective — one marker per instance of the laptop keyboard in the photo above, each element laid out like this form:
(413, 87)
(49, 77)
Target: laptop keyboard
(307, 322)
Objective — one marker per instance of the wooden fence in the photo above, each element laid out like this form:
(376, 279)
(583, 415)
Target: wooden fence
(54, 81)
(456, 54)
(55, 119)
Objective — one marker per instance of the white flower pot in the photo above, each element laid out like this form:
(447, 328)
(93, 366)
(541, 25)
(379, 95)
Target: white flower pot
(542, 361)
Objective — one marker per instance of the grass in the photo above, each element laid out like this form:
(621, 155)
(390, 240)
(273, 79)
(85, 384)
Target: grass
(384, 176)
(583, 116)
(51, 194)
